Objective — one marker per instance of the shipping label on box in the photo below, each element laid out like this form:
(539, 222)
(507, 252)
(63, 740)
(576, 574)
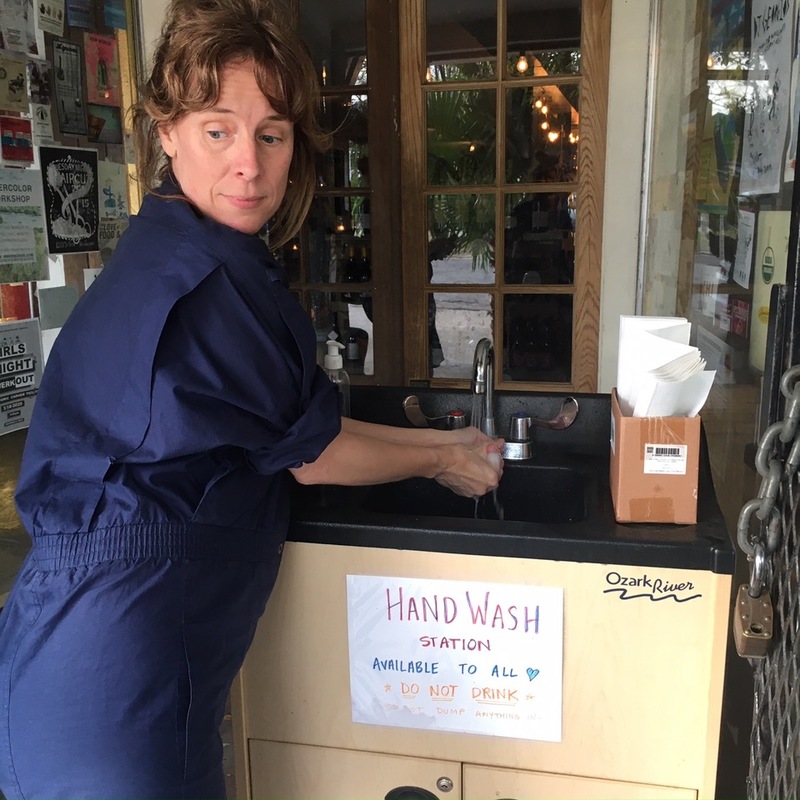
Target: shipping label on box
(654, 467)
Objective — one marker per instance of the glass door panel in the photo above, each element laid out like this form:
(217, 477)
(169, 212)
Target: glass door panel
(539, 238)
(462, 131)
(461, 40)
(545, 42)
(543, 130)
(335, 33)
(457, 321)
(461, 238)
(717, 237)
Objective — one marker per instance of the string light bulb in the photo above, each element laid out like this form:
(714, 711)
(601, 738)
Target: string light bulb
(522, 64)
(552, 136)
(545, 125)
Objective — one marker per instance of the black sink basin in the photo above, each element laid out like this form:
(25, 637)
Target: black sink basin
(527, 493)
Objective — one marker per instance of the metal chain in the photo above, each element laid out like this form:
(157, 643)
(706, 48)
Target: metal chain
(759, 541)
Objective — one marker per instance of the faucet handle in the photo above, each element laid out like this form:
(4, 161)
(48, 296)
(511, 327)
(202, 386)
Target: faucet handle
(452, 419)
(565, 417)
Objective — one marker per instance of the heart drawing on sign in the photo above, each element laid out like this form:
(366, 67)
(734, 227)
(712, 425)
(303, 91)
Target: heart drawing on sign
(532, 673)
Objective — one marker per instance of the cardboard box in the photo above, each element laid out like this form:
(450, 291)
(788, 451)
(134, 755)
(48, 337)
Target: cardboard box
(654, 467)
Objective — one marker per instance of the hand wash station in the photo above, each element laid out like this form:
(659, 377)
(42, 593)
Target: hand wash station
(423, 645)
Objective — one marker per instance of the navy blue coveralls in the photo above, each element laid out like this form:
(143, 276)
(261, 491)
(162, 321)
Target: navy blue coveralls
(153, 485)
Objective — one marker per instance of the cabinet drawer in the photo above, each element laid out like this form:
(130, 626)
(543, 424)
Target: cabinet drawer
(484, 783)
(281, 771)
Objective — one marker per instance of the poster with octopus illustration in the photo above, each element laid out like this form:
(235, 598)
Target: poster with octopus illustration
(69, 182)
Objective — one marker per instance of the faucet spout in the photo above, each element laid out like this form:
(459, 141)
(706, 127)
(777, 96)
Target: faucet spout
(483, 385)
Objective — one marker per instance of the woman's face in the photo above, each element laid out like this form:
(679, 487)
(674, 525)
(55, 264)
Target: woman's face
(232, 160)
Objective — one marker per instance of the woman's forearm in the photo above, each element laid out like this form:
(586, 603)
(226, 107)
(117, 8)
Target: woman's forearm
(391, 433)
(355, 459)
(468, 467)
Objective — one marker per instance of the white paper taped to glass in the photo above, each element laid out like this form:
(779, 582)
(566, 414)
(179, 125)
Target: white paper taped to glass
(659, 374)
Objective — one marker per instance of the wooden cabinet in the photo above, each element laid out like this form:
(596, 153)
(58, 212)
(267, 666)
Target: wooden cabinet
(642, 683)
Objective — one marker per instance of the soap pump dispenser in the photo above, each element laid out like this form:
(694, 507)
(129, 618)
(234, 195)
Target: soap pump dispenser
(336, 372)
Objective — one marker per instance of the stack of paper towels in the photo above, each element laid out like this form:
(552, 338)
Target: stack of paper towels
(659, 374)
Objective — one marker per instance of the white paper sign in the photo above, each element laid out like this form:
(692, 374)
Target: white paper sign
(20, 372)
(744, 248)
(456, 656)
(769, 86)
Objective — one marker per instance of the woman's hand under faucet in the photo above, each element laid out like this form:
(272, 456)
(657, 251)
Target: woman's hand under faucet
(473, 463)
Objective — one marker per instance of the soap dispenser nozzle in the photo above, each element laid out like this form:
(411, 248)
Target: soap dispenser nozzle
(333, 358)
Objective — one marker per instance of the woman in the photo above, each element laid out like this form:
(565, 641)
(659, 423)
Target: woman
(179, 395)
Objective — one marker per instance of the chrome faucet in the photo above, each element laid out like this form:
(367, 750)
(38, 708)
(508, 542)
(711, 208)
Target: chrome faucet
(483, 386)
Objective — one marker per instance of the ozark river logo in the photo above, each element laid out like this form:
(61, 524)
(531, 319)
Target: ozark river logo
(648, 588)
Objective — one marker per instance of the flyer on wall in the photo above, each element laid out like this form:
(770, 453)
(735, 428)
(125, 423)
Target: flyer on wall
(69, 184)
(23, 252)
(102, 69)
(20, 372)
(68, 87)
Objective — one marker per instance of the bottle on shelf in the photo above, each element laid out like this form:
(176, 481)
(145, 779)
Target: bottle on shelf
(350, 272)
(352, 354)
(364, 267)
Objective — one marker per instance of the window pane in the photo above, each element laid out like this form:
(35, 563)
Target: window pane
(540, 238)
(461, 238)
(461, 40)
(338, 240)
(336, 35)
(543, 38)
(537, 338)
(346, 164)
(349, 316)
(462, 129)
(542, 133)
(456, 321)
(289, 257)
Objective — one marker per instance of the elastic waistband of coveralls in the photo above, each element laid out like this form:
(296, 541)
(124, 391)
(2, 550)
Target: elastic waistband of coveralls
(156, 540)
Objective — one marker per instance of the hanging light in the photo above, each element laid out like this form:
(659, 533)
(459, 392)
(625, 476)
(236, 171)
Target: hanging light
(340, 227)
(522, 64)
(545, 125)
(539, 103)
(552, 136)
(472, 147)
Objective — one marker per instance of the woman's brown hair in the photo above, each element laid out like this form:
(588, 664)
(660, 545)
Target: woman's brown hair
(199, 38)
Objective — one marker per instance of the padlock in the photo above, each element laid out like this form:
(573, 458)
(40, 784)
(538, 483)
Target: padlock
(752, 623)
